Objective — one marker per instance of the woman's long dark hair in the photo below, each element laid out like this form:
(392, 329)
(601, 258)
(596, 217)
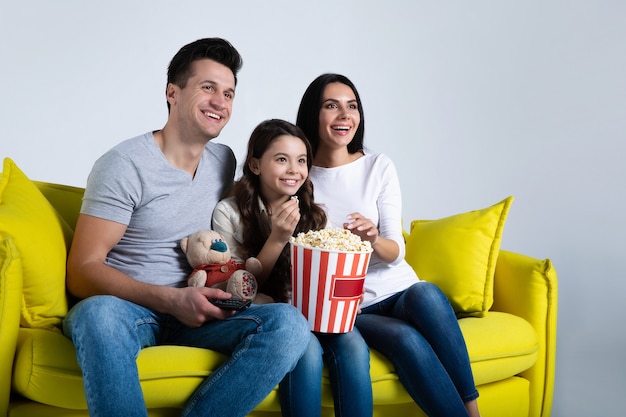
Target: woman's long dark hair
(309, 111)
(257, 226)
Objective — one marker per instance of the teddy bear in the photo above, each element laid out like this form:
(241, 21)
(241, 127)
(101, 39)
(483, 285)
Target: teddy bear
(209, 255)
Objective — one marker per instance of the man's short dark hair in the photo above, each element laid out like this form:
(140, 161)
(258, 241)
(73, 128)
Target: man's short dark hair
(216, 49)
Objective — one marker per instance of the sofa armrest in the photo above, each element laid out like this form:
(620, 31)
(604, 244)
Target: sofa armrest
(10, 305)
(528, 288)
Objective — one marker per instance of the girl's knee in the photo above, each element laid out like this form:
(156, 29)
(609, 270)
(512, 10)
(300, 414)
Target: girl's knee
(314, 350)
(312, 358)
(357, 345)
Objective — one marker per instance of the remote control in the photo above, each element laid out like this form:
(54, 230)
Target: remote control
(233, 303)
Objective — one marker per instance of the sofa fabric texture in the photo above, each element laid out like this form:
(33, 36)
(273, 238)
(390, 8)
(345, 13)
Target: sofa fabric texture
(509, 325)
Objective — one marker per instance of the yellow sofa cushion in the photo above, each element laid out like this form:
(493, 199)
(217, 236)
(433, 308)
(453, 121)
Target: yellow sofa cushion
(10, 292)
(459, 253)
(41, 237)
(46, 370)
(500, 346)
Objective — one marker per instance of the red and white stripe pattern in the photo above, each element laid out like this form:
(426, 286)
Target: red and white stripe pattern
(327, 286)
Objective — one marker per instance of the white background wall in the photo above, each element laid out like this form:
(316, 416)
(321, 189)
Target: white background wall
(474, 100)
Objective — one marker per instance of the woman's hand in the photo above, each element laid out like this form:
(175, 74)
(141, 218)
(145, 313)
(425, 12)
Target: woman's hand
(386, 249)
(363, 227)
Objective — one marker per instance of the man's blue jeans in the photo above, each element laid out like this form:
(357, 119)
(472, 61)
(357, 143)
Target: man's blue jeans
(263, 343)
(347, 358)
(419, 332)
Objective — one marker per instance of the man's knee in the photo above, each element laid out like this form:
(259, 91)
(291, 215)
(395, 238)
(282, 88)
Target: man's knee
(102, 315)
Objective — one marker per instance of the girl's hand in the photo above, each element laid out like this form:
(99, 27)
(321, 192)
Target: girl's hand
(285, 220)
(362, 226)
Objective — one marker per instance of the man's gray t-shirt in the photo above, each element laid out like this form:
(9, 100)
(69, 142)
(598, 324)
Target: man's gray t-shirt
(135, 185)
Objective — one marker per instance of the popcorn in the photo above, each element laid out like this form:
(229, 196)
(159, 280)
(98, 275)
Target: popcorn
(332, 239)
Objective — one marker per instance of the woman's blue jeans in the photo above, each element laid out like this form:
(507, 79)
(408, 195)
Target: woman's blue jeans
(419, 332)
(347, 358)
(263, 344)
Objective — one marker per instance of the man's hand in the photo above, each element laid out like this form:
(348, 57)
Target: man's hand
(193, 309)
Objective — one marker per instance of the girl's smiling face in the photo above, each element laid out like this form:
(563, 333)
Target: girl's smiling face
(282, 169)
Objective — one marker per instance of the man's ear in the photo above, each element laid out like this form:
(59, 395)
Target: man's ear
(171, 93)
(254, 166)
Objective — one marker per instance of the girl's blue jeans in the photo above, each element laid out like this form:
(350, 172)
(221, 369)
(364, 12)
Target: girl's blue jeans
(419, 332)
(263, 343)
(347, 358)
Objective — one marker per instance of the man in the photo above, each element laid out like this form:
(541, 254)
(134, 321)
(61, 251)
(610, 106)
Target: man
(142, 197)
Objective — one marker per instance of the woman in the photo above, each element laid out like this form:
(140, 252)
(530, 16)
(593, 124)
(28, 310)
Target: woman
(408, 320)
(258, 220)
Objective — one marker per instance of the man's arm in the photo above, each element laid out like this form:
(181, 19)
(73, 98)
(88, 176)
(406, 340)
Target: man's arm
(88, 275)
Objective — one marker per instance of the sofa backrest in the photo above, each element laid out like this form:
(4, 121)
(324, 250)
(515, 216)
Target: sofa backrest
(65, 199)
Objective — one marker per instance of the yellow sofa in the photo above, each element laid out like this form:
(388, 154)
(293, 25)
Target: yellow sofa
(512, 346)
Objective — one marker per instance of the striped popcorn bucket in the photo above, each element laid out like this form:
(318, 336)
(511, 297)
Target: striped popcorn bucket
(327, 286)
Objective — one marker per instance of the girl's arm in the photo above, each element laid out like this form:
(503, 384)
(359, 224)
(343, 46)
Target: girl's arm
(284, 222)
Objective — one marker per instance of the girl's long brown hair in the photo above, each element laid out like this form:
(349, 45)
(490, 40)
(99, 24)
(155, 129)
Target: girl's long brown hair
(256, 225)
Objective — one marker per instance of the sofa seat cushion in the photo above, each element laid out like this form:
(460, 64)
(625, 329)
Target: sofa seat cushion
(500, 345)
(46, 370)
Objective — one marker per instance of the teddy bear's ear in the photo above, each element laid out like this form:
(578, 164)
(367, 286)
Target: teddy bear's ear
(183, 244)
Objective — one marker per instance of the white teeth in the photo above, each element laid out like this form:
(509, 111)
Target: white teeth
(213, 115)
(341, 128)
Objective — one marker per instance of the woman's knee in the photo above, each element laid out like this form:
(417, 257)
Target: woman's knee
(425, 296)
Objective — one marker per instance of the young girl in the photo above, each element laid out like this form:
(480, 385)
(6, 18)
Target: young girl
(257, 220)
(408, 320)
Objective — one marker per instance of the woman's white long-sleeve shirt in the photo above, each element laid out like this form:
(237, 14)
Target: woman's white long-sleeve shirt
(370, 186)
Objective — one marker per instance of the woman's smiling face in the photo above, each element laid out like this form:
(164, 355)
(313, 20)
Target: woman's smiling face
(339, 115)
